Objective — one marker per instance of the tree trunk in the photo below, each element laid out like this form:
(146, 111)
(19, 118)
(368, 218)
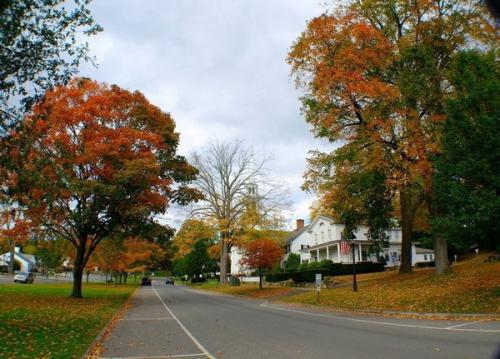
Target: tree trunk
(260, 278)
(78, 267)
(407, 229)
(223, 259)
(441, 262)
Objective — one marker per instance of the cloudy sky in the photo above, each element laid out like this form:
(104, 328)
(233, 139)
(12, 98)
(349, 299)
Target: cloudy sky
(219, 68)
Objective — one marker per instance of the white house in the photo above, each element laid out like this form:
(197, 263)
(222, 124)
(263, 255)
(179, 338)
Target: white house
(321, 240)
(235, 256)
(27, 262)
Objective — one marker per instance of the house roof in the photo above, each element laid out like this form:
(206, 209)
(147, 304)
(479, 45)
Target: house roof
(21, 256)
(295, 234)
(419, 250)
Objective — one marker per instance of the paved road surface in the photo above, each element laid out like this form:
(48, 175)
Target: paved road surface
(177, 322)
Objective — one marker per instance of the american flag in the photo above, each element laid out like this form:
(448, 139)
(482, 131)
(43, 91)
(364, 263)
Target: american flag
(345, 246)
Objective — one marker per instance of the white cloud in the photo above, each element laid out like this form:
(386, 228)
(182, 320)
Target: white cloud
(219, 68)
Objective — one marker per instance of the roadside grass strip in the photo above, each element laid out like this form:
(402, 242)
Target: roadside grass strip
(473, 287)
(42, 321)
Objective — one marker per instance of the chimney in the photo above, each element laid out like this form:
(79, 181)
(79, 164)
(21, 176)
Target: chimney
(300, 224)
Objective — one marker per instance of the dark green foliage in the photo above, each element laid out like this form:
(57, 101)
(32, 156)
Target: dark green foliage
(292, 262)
(38, 49)
(277, 276)
(467, 180)
(307, 272)
(196, 262)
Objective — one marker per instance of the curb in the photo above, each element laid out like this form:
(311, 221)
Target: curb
(109, 325)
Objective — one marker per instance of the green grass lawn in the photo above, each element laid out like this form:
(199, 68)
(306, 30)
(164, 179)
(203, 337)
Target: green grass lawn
(42, 321)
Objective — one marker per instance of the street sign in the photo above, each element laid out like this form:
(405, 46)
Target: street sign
(318, 281)
(318, 285)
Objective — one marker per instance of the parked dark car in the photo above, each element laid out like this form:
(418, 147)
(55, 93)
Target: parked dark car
(145, 281)
(169, 280)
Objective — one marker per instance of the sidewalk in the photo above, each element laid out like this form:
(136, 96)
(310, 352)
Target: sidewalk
(150, 330)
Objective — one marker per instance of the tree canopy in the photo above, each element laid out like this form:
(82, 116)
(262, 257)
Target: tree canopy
(40, 48)
(92, 158)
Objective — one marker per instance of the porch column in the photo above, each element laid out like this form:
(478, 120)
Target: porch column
(317, 255)
(360, 258)
(327, 252)
(338, 252)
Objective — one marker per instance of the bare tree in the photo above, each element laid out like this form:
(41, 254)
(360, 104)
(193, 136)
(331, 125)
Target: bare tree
(232, 180)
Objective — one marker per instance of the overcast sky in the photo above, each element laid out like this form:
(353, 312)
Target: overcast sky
(219, 68)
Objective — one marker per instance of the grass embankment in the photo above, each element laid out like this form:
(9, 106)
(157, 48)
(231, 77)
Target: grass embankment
(472, 287)
(248, 290)
(42, 321)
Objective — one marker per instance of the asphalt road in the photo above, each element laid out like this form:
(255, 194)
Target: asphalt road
(172, 321)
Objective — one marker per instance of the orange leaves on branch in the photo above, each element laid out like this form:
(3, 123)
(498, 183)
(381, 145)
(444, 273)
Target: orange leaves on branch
(262, 253)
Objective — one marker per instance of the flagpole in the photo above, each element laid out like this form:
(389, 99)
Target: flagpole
(354, 282)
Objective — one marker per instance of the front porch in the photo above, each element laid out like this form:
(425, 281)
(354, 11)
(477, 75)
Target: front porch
(331, 251)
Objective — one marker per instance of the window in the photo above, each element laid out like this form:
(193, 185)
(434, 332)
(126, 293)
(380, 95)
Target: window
(329, 234)
(315, 238)
(425, 257)
(304, 246)
(430, 256)
(322, 236)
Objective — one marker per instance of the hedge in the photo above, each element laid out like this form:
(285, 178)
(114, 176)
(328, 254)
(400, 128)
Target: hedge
(307, 273)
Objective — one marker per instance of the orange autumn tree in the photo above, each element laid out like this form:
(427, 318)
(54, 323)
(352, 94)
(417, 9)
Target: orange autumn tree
(262, 254)
(122, 257)
(374, 81)
(100, 158)
(14, 230)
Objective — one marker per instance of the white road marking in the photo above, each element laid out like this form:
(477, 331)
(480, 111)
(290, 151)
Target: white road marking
(464, 324)
(266, 305)
(166, 318)
(160, 357)
(195, 341)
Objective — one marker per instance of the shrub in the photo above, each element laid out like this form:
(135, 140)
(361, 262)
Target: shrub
(327, 267)
(277, 276)
(292, 262)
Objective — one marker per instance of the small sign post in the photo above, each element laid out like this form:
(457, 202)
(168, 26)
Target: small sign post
(318, 285)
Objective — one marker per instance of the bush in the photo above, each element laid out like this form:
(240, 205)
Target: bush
(292, 262)
(424, 264)
(327, 267)
(303, 266)
(277, 276)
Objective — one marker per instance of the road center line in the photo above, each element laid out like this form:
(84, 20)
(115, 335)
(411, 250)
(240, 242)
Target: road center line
(453, 328)
(195, 341)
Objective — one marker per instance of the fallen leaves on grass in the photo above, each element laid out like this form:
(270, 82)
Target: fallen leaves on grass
(41, 321)
(472, 287)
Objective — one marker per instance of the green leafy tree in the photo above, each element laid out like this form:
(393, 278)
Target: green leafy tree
(39, 48)
(198, 261)
(467, 179)
(293, 261)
